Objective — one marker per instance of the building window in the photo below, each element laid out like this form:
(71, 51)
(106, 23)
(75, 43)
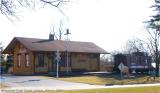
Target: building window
(41, 60)
(27, 60)
(19, 60)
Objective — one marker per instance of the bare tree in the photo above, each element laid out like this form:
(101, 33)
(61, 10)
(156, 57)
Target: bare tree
(59, 34)
(134, 45)
(153, 29)
(55, 3)
(9, 7)
(153, 44)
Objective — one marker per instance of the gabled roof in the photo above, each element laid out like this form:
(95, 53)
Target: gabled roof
(35, 44)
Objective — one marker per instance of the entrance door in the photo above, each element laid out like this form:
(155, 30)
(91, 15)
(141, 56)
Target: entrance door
(52, 64)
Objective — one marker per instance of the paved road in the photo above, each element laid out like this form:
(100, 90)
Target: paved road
(39, 83)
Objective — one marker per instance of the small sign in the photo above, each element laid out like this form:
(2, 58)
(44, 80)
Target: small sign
(121, 66)
(153, 65)
(58, 55)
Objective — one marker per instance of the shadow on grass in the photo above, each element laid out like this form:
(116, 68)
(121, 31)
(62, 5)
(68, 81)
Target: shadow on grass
(107, 78)
(115, 76)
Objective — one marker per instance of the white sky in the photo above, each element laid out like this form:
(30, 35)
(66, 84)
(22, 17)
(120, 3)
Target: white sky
(108, 23)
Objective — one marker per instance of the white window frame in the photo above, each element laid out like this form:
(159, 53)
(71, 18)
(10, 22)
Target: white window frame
(27, 60)
(19, 60)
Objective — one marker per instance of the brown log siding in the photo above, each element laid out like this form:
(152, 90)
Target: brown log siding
(22, 69)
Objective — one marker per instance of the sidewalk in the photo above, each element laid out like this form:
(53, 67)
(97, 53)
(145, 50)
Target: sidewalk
(87, 86)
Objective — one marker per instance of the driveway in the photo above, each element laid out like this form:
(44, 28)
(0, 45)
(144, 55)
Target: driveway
(40, 83)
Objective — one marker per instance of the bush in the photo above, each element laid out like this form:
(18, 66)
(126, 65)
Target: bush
(5, 67)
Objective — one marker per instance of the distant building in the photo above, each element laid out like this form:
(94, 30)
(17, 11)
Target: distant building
(36, 56)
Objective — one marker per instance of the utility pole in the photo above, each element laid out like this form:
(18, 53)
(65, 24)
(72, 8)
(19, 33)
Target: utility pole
(58, 58)
(67, 33)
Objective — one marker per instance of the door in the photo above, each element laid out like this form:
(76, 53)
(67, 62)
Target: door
(52, 64)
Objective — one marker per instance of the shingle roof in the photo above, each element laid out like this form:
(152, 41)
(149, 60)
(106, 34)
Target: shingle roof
(35, 44)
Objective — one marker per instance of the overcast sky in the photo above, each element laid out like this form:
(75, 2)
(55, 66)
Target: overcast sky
(108, 23)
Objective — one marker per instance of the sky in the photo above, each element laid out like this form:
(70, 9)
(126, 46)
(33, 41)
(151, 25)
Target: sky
(107, 23)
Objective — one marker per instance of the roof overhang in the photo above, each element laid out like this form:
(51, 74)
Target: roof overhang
(9, 49)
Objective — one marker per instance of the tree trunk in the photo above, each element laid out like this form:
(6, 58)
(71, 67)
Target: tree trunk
(157, 68)
(157, 60)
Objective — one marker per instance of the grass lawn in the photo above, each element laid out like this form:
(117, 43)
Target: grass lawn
(153, 89)
(110, 79)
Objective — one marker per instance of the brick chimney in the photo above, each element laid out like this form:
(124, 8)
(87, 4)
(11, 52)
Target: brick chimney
(51, 37)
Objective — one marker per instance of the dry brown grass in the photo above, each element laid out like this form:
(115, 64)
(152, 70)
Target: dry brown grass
(110, 79)
(2, 86)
